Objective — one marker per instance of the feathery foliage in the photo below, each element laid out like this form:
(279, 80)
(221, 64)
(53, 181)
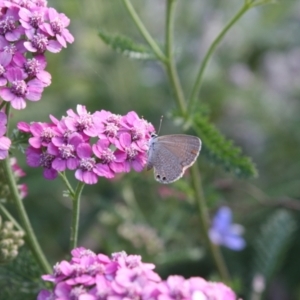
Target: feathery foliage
(20, 279)
(220, 150)
(126, 46)
(272, 243)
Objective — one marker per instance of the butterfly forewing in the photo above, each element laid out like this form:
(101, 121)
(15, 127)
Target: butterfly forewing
(171, 155)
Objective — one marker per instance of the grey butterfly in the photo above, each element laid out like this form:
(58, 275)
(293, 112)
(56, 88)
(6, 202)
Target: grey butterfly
(171, 155)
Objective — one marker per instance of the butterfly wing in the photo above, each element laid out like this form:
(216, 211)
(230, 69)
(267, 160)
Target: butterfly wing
(171, 155)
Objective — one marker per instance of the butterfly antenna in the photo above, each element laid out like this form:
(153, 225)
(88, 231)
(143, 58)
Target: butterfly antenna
(160, 122)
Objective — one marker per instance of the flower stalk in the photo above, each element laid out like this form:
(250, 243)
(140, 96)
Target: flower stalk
(30, 237)
(198, 82)
(75, 215)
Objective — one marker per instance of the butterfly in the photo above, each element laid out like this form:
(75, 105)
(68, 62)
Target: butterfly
(171, 155)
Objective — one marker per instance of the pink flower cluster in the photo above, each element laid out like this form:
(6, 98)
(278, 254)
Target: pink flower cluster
(5, 142)
(28, 27)
(90, 276)
(121, 143)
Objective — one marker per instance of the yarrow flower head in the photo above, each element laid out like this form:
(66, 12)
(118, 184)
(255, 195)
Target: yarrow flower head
(5, 142)
(90, 276)
(28, 27)
(223, 232)
(99, 144)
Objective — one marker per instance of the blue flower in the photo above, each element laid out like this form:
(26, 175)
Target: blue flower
(223, 232)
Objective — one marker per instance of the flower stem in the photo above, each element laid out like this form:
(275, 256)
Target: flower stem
(67, 183)
(198, 82)
(30, 237)
(75, 215)
(170, 63)
(196, 180)
(139, 24)
(204, 217)
(10, 217)
(29, 234)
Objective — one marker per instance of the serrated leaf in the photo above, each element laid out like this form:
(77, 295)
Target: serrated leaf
(126, 46)
(21, 278)
(272, 243)
(222, 151)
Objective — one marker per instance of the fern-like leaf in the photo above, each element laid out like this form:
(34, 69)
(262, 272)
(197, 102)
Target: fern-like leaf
(21, 278)
(126, 46)
(220, 150)
(272, 243)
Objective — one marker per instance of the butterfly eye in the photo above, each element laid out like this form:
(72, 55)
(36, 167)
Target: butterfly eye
(164, 178)
(158, 176)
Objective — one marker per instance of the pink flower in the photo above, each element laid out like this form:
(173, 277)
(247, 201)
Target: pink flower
(38, 158)
(87, 171)
(39, 43)
(8, 24)
(20, 90)
(42, 134)
(33, 67)
(5, 59)
(135, 157)
(57, 27)
(139, 129)
(4, 141)
(65, 154)
(82, 123)
(110, 162)
(87, 277)
(67, 144)
(32, 18)
(108, 125)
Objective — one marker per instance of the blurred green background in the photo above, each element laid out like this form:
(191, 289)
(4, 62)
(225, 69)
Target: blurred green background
(252, 90)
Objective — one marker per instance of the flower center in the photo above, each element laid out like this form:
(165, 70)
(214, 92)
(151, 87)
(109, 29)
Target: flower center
(66, 151)
(111, 130)
(107, 157)
(46, 160)
(40, 42)
(84, 122)
(36, 19)
(19, 88)
(32, 67)
(87, 164)
(136, 134)
(115, 119)
(57, 26)
(131, 153)
(47, 135)
(7, 25)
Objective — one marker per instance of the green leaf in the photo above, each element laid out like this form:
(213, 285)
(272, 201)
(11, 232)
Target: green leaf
(272, 243)
(126, 46)
(220, 150)
(21, 278)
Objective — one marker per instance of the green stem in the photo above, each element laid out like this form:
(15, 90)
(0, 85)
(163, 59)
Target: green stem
(155, 48)
(67, 183)
(30, 236)
(75, 215)
(10, 217)
(198, 82)
(170, 63)
(204, 217)
(172, 72)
